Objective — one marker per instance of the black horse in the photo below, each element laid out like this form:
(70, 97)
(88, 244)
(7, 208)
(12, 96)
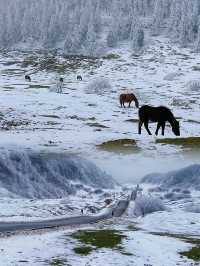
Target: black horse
(79, 77)
(161, 115)
(27, 77)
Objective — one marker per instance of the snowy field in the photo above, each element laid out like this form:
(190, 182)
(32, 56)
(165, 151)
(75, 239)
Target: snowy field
(34, 117)
(78, 120)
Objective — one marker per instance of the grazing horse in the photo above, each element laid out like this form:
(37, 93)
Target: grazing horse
(27, 77)
(60, 85)
(160, 115)
(79, 77)
(128, 98)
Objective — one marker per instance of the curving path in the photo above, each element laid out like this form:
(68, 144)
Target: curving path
(116, 211)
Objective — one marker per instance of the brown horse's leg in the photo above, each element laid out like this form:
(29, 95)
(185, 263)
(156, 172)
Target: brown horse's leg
(158, 127)
(121, 102)
(146, 123)
(140, 123)
(163, 128)
(124, 105)
(129, 104)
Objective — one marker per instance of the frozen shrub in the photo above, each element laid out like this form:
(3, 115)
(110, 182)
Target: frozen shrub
(147, 204)
(171, 76)
(98, 191)
(156, 189)
(185, 178)
(112, 39)
(186, 191)
(98, 86)
(193, 208)
(176, 190)
(193, 85)
(176, 196)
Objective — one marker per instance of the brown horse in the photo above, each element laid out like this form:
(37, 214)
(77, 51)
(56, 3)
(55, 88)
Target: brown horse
(128, 98)
(161, 115)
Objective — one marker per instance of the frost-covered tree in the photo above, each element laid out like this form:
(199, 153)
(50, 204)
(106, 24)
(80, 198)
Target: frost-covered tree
(136, 34)
(197, 44)
(147, 204)
(77, 26)
(161, 13)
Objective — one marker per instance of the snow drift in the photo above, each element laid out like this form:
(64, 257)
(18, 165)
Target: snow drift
(32, 175)
(188, 177)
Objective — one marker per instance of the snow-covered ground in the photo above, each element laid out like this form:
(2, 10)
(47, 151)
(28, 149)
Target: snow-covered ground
(36, 118)
(72, 121)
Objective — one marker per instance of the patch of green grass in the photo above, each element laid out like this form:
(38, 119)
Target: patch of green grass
(196, 68)
(12, 71)
(193, 121)
(190, 142)
(8, 87)
(38, 86)
(185, 238)
(134, 120)
(57, 262)
(100, 238)
(193, 253)
(30, 61)
(92, 118)
(96, 125)
(51, 116)
(83, 250)
(125, 146)
(132, 227)
(126, 253)
(111, 56)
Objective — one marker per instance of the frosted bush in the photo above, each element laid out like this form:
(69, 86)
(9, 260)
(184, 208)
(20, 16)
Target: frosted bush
(193, 208)
(186, 191)
(147, 204)
(171, 76)
(184, 178)
(193, 85)
(98, 86)
(176, 196)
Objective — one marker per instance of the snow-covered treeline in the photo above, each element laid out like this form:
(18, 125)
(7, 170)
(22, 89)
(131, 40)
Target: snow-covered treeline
(92, 26)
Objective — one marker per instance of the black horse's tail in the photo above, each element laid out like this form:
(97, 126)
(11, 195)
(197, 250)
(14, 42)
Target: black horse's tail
(136, 102)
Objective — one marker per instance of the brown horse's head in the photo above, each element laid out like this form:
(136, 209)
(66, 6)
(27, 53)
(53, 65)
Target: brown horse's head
(176, 127)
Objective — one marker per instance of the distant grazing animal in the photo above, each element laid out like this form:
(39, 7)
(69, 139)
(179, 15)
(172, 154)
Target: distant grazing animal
(161, 115)
(60, 85)
(27, 77)
(79, 77)
(128, 98)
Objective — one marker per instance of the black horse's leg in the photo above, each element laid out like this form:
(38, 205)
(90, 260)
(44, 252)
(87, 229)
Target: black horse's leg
(146, 123)
(158, 127)
(140, 123)
(163, 128)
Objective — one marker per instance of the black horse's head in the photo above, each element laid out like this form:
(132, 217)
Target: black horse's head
(176, 128)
